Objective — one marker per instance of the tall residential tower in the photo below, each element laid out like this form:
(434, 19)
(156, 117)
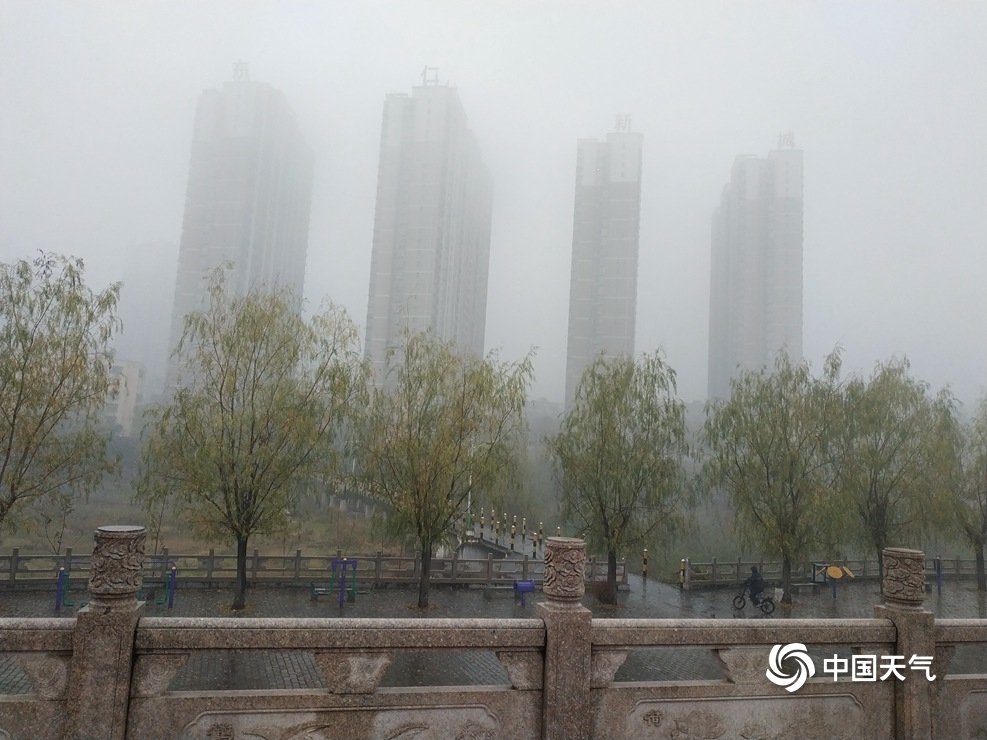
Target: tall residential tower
(755, 305)
(432, 225)
(248, 198)
(603, 285)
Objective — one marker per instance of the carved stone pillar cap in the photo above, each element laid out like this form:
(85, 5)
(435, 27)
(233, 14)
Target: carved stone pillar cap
(574, 542)
(120, 530)
(904, 576)
(904, 552)
(565, 564)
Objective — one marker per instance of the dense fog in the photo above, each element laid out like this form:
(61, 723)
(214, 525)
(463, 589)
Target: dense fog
(886, 100)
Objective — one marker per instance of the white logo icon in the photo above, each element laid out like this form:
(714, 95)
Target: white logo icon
(796, 651)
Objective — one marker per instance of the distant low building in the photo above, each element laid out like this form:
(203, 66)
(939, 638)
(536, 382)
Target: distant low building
(473, 548)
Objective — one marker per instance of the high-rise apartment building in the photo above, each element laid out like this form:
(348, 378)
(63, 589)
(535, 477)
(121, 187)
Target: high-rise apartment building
(755, 304)
(431, 242)
(603, 284)
(248, 198)
(146, 268)
(125, 399)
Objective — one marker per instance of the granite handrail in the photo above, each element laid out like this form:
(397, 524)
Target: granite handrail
(222, 633)
(719, 632)
(42, 634)
(961, 631)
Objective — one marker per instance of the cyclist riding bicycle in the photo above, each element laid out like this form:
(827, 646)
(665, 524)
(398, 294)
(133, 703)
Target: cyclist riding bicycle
(755, 584)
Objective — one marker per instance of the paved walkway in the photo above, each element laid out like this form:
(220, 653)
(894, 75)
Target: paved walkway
(297, 669)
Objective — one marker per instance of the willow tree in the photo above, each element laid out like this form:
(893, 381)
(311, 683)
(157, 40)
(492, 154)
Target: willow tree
(972, 487)
(773, 447)
(55, 381)
(618, 456)
(258, 412)
(897, 457)
(442, 428)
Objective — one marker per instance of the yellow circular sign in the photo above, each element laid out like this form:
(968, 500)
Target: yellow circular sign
(834, 571)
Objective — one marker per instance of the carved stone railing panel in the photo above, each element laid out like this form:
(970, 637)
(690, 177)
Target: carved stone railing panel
(48, 673)
(468, 723)
(943, 659)
(462, 722)
(153, 674)
(831, 717)
(604, 667)
(353, 673)
(972, 715)
(744, 665)
(524, 668)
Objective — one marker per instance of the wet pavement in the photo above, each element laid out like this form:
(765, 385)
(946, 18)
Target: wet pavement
(297, 669)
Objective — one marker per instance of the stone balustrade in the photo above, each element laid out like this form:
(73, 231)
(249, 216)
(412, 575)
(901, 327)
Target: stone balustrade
(109, 673)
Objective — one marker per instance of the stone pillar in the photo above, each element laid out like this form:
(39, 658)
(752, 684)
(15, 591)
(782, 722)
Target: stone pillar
(103, 647)
(904, 593)
(566, 709)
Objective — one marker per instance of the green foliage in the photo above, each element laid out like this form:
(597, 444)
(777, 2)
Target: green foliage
(971, 487)
(773, 447)
(259, 410)
(897, 457)
(54, 382)
(619, 454)
(443, 428)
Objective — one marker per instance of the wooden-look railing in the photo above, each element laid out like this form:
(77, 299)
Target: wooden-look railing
(732, 572)
(219, 569)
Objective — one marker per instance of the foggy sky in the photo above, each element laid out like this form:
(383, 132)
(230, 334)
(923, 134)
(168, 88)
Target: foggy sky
(887, 100)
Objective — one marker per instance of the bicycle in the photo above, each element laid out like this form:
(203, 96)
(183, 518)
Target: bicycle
(765, 602)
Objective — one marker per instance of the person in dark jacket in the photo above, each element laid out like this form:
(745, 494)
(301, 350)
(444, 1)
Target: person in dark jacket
(756, 585)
